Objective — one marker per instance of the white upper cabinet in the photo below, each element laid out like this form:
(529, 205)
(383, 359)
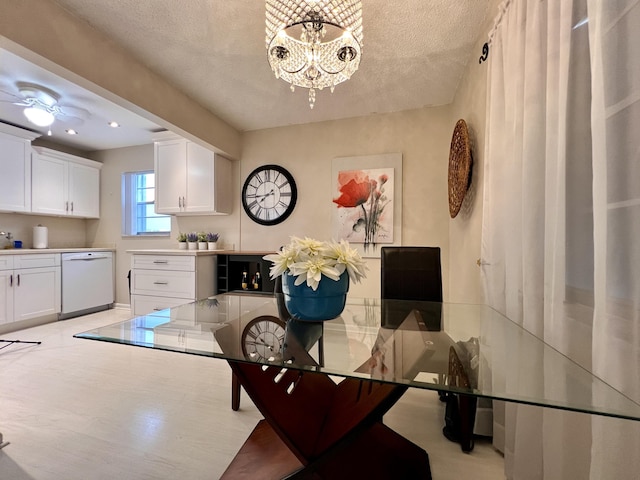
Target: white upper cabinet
(191, 180)
(15, 165)
(84, 190)
(64, 184)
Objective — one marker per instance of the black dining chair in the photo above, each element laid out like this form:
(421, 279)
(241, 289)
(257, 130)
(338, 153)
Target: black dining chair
(410, 273)
(415, 273)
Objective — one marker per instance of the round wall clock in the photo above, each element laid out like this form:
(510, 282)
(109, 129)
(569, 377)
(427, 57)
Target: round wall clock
(269, 195)
(262, 338)
(459, 167)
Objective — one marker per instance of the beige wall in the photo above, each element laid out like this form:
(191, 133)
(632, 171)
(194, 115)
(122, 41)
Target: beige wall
(422, 136)
(465, 230)
(63, 232)
(307, 152)
(108, 230)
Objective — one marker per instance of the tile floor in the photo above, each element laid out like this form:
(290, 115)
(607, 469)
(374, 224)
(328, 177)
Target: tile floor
(79, 409)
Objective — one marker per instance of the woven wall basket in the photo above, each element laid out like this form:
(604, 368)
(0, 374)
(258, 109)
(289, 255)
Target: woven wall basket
(460, 162)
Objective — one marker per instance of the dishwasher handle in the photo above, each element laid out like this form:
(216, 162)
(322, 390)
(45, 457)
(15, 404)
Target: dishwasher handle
(86, 257)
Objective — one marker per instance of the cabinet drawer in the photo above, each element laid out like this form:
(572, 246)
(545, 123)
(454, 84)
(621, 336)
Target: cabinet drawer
(145, 304)
(6, 262)
(164, 283)
(36, 260)
(185, 263)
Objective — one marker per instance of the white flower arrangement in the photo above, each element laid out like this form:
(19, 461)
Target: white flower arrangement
(308, 260)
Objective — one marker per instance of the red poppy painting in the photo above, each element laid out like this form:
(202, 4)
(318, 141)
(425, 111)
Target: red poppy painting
(364, 204)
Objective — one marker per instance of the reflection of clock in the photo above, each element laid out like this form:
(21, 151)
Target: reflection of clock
(269, 195)
(262, 338)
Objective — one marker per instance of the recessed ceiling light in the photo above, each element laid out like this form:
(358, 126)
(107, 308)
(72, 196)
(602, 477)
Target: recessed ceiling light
(114, 124)
(71, 131)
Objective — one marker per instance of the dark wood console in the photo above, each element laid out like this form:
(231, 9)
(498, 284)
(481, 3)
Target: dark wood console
(231, 267)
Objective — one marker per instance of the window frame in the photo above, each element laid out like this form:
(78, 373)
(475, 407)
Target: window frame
(129, 207)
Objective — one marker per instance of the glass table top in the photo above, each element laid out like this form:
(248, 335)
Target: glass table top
(461, 348)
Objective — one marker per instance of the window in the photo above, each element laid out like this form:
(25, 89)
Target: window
(138, 209)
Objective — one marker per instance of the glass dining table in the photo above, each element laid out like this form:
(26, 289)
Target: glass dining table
(323, 387)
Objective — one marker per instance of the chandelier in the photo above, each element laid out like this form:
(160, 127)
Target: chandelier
(314, 43)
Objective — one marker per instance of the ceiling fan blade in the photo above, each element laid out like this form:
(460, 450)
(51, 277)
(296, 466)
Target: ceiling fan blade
(70, 120)
(77, 112)
(6, 96)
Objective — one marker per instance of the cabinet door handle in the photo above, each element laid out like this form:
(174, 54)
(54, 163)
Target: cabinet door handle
(161, 261)
(161, 283)
(179, 202)
(11, 280)
(18, 280)
(66, 206)
(71, 207)
(184, 202)
(157, 309)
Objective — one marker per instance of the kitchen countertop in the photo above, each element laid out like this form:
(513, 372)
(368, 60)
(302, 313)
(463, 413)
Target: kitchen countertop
(176, 251)
(27, 251)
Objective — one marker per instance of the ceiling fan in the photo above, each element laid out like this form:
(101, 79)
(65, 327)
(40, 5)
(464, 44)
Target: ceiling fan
(42, 106)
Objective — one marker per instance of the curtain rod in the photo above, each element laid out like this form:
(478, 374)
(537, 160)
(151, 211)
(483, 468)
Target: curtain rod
(502, 9)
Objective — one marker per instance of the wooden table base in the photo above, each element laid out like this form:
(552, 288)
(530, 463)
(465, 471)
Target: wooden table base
(314, 428)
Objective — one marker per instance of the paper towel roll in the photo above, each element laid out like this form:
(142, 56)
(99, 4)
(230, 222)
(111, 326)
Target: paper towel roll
(40, 237)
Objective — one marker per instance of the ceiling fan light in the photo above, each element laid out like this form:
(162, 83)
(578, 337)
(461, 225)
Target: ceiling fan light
(38, 116)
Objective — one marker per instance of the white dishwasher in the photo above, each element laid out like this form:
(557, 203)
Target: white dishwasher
(87, 281)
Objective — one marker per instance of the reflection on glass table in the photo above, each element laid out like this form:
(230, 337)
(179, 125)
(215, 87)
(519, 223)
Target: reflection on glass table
(368, 341)
(324, 387)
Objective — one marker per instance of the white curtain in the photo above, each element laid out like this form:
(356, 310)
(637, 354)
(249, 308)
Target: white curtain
(561, 219)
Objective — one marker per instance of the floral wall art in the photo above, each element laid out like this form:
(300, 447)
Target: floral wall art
(365, 206)
(367, 201)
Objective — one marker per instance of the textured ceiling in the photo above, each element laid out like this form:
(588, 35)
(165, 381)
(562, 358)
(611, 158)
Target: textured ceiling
(415, 53)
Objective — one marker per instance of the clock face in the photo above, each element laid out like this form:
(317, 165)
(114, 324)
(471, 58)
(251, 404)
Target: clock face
(262, 339)
(269, 195)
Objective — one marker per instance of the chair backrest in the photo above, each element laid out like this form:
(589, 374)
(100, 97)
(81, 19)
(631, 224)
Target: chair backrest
(411, 273)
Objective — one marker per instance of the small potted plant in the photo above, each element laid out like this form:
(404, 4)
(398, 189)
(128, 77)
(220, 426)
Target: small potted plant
(182, 241)
(202, 241)
(192, 240)
(212, 240)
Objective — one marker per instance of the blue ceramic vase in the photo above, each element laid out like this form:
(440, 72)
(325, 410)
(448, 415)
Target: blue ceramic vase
(325, 303)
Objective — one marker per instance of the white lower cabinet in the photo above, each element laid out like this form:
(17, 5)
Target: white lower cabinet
(143, 304)
(164, 281)
(29, 286)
